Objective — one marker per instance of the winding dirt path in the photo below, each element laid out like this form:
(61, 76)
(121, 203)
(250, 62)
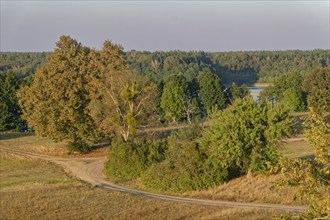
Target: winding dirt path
(90, 171)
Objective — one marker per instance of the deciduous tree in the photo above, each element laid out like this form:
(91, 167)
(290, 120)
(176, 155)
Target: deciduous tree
(316, 84)
(175, 98)
(55, 104)
(210, 91)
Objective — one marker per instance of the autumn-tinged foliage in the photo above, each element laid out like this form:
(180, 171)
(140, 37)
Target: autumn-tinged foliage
(312, 176)
(122, 101)
(55, 104)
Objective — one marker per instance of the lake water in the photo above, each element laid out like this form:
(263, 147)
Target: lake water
(255, 91)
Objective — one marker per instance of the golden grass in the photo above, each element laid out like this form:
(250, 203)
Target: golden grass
(256, 189)
(297, 149)
(35, 189)
(41, 199)
(31, 143)
(262, 85)
(16, 172)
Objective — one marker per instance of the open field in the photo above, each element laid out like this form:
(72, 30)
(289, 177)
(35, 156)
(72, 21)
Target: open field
(29, 142)
(48, 193)
(33, 189)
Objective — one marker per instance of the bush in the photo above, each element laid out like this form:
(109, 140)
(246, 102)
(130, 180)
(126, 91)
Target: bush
(184, 168)
(80, 147)
(128, 160)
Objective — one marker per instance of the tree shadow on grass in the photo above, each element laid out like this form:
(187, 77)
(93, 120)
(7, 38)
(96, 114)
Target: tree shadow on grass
(103, 144)
(14, 135)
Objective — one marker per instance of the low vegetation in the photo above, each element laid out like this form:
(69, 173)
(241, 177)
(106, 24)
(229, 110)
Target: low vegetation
(25, 194)
(81, 96)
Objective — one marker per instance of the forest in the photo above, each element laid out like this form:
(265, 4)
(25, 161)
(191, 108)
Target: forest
(245, 67)
(83, 96)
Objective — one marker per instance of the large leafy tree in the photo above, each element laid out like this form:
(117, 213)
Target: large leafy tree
(10, 111)
(234, 92)
(316, 84)
(55, 104)
(288, 87)
(175, 98)
(121, 100)
(210, 92)
(243, 137)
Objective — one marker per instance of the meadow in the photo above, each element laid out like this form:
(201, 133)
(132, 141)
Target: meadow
(36, 189)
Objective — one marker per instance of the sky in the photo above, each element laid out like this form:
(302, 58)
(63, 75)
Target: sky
(28, 26)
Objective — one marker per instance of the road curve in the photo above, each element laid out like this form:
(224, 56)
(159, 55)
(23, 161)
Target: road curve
(90, 170)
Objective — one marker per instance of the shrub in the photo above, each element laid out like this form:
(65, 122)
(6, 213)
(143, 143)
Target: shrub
(128, 160)
(184, 168)
(80, 147)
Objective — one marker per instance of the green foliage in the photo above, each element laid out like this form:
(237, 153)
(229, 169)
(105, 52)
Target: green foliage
(234, 92)
(288, 90)
(312, 176)
(76, 146)
(210, 92)
(239, 67)
(316, 84)
(23, 65)
(10, 112)
(294, 100)
(239, 139)
(175, 98)
(129, 159)
(243, 137)
(183, 169)
(54, 105)
(121, 100)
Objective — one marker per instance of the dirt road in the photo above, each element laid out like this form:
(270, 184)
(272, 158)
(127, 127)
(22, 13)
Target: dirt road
(90, 170)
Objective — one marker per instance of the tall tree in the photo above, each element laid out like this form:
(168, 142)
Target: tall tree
(316, 84)
(55, 104)
(211, 92)
(10, 112)
(288, 86)
(235, 92)
(123, 101)
(175, 98)
(243, 137)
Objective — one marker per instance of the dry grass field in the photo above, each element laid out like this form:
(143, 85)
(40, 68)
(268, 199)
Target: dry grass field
(29, 142)
(35, 189)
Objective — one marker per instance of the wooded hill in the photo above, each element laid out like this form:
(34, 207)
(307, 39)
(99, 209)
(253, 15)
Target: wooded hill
(239, 67)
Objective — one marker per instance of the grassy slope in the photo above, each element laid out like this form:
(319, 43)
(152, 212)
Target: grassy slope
(29, 142)
(33, 189)
(39, 189)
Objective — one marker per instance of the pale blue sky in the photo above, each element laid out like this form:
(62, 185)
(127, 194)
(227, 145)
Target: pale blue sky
(167, 25)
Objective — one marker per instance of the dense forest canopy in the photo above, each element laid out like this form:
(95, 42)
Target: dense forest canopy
(240, 67)
(22, 64)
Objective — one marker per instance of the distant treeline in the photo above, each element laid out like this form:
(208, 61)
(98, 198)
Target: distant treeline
(239, 67)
